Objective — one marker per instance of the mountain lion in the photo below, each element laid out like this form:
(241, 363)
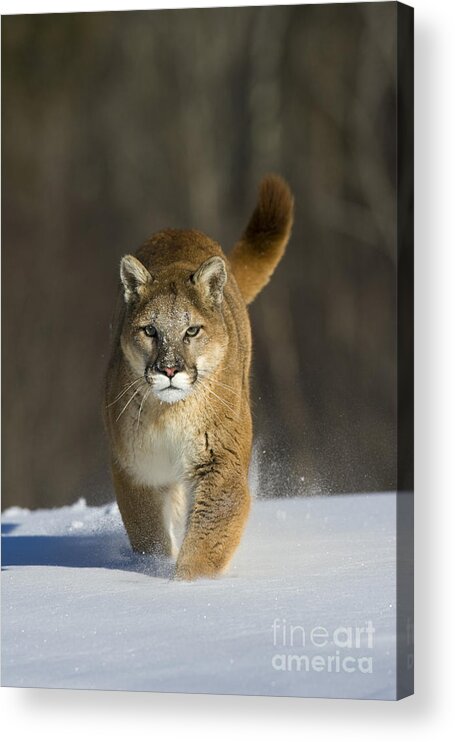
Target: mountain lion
(177, 398)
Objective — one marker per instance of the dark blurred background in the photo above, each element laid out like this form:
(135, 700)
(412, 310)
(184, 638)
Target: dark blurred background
(115, 125)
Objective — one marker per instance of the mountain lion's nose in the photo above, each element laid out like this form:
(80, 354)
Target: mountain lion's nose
(169, 371)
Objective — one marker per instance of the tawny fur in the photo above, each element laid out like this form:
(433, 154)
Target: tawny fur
(180, 467)
(256, 255)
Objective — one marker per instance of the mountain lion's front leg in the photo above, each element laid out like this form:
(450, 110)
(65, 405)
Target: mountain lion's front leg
(144, 514)
(217, 519)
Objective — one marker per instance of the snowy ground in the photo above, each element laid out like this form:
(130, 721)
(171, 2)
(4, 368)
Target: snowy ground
(80, 611)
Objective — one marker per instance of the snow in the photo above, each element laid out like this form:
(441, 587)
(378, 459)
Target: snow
(313, 577)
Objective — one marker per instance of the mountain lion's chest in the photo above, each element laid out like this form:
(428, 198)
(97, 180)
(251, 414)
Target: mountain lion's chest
(161, 456)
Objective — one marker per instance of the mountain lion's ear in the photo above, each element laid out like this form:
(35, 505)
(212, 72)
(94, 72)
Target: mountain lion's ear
(135, 277)
(210, 278)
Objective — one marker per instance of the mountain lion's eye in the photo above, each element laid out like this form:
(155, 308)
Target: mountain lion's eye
(193, 331)
(150, 331)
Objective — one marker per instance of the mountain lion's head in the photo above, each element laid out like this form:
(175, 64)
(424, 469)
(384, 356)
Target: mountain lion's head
(173, 334)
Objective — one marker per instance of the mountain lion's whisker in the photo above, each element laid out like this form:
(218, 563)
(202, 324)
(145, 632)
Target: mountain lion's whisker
(210, 391)
(226, 386)
(128, 386)
(146, 394)
(130, 399)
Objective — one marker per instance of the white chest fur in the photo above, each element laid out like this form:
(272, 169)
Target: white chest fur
(159, 456)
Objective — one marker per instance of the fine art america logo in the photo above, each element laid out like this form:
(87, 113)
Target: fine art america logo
(318, 649)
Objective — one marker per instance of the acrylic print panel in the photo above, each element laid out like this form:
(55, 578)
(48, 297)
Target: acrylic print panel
(208, 475)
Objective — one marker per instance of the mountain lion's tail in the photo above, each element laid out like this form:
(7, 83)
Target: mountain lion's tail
(256, 255)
